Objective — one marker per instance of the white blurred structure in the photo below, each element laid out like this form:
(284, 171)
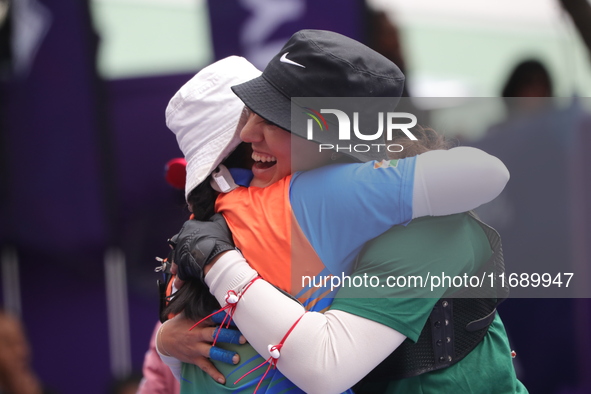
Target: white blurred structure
(473, 45)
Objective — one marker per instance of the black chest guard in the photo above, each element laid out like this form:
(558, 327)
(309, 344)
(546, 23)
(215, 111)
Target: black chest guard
(454, 328)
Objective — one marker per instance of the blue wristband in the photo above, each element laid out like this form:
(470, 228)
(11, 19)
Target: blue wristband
(225, 356)
(227, 335)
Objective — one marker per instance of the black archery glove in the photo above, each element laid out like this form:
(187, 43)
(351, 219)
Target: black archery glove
(198, 243)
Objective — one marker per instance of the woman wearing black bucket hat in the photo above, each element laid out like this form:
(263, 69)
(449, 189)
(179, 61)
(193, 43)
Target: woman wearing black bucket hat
(317, 64)
(258, 128)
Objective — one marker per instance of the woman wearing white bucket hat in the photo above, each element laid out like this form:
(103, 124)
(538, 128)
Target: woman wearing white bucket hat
(278, 155)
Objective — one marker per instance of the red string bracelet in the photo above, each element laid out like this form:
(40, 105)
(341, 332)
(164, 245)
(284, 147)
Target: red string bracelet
(232, 299)
(274, 351)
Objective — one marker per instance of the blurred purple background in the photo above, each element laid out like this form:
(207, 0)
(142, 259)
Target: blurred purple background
(82, 169)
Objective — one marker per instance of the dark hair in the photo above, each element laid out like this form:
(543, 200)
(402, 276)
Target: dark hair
(427, 139)
(201, 199)
(527, 74)
(194, 297)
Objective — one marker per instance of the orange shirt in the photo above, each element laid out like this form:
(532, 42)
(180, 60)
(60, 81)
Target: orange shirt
(268, 235)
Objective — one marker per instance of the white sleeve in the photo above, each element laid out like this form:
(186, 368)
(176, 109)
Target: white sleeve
(325, 353)
(456, 180)
(174, 364)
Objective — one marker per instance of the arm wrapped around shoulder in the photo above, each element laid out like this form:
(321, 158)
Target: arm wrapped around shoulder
(456, 180)
(324, 352)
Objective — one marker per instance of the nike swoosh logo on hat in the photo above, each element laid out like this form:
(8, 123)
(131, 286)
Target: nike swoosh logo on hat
(284, 59)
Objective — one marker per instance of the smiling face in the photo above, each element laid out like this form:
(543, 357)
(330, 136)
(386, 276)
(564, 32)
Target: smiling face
(272, 152)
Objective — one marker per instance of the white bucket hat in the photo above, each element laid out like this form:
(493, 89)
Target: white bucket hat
(204, 115)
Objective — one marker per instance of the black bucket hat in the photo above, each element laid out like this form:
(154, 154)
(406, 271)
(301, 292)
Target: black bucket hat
(318, 63)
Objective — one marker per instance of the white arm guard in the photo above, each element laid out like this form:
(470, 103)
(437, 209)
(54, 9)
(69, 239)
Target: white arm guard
(325, 353)
(172, 363)
(456, 180)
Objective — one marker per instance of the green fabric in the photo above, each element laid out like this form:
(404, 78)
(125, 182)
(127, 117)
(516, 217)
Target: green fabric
(450, 245)
(194, 380)
(453, 245)
(487, 369)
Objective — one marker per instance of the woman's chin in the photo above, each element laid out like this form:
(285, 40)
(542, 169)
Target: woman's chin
(264, 175)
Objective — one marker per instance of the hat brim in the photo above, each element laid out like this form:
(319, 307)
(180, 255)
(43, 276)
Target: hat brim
(202, 163)
(261, 97)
